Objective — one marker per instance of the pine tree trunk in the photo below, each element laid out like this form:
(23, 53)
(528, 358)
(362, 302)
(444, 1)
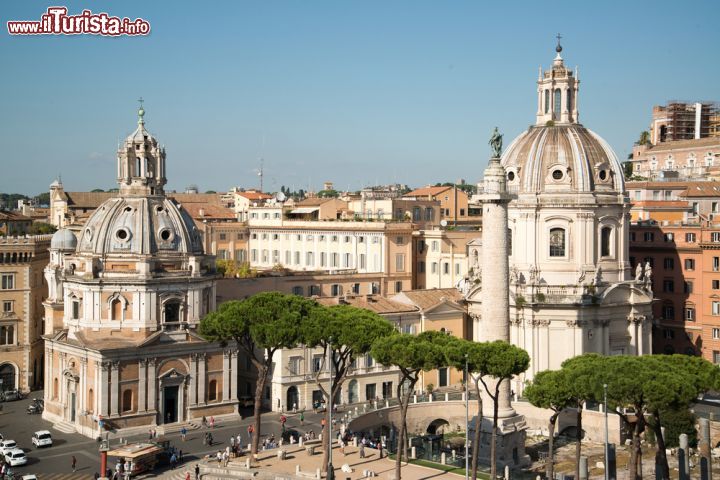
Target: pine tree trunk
(635, 450)
(660, 456)
(550, 467)
(578, 441)
(259, 388)
(478, 434)
(493, 460)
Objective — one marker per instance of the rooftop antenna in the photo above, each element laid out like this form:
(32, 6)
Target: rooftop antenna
(260, 172)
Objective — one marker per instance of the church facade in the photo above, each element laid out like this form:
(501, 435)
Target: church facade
(571, 289)
(124, 301)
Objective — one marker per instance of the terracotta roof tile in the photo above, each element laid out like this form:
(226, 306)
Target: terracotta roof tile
(7, 215)
(374, 303)
(426, 299)
(426, 192)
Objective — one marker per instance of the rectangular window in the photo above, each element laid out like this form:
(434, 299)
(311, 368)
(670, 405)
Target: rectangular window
(716, 333)
(7, 306)
(400, 262)
(715, 237)
(669, 263)
(369, 361)
(333, 238)
(75, 310)
(297, 290)
(669, 237)
(239, 236)
(276, 256)
(253, 255)
(649, 236)
(265, 257)
(356, 288)
(668, 312)
(288, 254)
(222, 255)
(632, 236)
(716, 308)
(334, 260)
(716, 284)
(690, 237)
(716, 264)
(446, 268)
(457, 269)
(400, 240)
(689, 264)
(421, 267)
(434, 267)
(435, 246)
(689, 314)
(294, 365)
(362, 261)
(398, 287)
(347, 261)
(714, 207)
(638, 194)
(669, 334)
(716, 357)
(223, 236)
(323, 259)
(462, 212)
(317, 363)
(656, 194)
(335, 290)
(7, 281)
(668, 285)
(297, 258)
(688, 286)
(668, 194)
(310, 259)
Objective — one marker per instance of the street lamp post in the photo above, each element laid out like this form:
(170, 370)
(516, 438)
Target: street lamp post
(330, 470)
(467, 422)
(607, 449)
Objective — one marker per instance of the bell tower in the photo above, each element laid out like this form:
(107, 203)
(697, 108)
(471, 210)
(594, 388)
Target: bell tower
(557, 92)
(141, 162)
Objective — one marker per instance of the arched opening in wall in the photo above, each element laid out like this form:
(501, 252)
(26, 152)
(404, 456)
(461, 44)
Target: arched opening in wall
(569, 100)
(353, 396)
(212, 390)
(55, 389)
(90, 407)
(547, 101)
(438, 427)
(127, 400)
(8, 377)
(605, 237)
(557, 242)
(116, 309)
(137, 167)
(292, 399)
(557, 102)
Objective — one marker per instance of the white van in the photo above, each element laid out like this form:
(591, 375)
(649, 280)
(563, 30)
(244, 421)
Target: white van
(42, 439)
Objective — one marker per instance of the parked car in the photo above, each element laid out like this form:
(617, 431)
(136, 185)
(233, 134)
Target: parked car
(247, 401)
(15, 457)
(11, 395)
(7, 445)
(42, 438)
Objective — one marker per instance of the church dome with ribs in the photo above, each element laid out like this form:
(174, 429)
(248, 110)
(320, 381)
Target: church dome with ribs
(558, 154)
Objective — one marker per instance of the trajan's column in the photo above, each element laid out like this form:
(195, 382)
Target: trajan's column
(493, 320)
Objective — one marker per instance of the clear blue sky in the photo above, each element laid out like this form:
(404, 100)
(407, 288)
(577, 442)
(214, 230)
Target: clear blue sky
(356, 92)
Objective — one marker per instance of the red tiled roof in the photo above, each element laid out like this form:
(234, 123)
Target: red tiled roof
(9, 216)
(255, 195)
(426, 192)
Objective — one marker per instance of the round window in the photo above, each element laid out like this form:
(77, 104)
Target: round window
(602, 174)
(511, 176)
(88, 234)
(557, 174)
(128, 209)
(165, 234)
(122, 234)
(159, 209)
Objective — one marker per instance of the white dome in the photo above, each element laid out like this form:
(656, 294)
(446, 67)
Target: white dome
(63, 239)
(562, 158)
(140, 225)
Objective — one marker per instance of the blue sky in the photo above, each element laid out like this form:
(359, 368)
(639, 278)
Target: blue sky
(356, 92)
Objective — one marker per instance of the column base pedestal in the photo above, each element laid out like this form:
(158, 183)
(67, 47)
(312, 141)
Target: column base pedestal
(510, 441)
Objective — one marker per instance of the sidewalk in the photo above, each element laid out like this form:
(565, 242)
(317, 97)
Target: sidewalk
(383, 468)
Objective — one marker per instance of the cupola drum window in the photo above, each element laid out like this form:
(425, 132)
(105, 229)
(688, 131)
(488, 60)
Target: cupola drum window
(557, 242)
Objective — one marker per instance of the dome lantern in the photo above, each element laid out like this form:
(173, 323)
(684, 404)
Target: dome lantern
(557, 93)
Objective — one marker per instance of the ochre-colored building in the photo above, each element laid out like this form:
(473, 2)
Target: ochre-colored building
(22, 288)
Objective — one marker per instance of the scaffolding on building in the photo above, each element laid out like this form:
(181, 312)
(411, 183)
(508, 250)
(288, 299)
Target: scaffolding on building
(680, 120)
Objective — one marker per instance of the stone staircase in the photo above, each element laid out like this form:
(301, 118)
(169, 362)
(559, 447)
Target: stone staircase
(65, 427)
(176, 427)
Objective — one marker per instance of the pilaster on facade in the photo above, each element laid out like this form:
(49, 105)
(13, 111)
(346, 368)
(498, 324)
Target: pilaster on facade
(152, 384)
(142, 385)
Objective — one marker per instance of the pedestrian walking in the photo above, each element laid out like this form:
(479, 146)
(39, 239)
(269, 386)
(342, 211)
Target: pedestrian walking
(210, 439)
(187, 475)
(197, 471)
(74, 463)
(218, 455)
(183, 432)
(203, 422)
(362, 450)
(212, 422)
(294, 407)
(302, 418)
(173, 461)
(250, 431)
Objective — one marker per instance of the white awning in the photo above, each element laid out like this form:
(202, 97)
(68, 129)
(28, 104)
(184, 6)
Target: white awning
(305, 210)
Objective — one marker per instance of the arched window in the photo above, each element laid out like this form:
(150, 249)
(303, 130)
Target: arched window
(172, 312)
(556, 103)
(90, 407)
(127, 400)
(569, 100)
(605, 236)
(547, 101)
(557, 242)
(212, 390)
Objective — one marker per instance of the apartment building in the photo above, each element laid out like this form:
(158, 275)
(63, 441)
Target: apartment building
(22, 289)
(442, 257)
(333, 247)
(453, 201)
(673, 202)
